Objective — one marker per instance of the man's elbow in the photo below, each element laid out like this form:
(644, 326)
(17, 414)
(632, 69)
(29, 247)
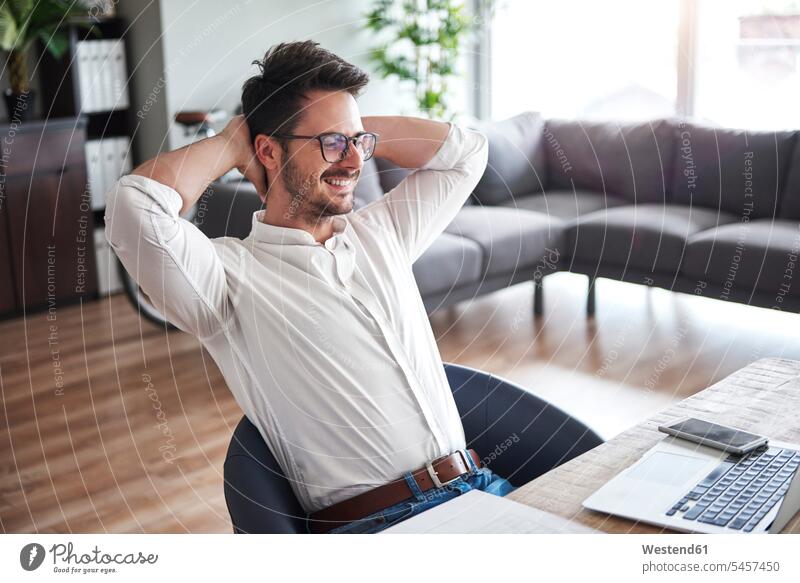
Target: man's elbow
(477, 158)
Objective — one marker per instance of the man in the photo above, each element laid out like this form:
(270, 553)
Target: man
(315, 319)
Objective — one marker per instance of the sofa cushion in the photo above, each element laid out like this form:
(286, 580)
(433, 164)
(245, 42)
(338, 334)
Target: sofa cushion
(565, 204)
(516, 165)
(790, 198)
(448, 263)
(737, 171)
(756, 255)
(646, 237)
(390, 174)
(368, 188)
(510, 239)
(632, 161)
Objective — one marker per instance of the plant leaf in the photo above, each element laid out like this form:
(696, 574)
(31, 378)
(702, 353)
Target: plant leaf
(9, 32)
(20, 8)
(57, 42)
(49, 20)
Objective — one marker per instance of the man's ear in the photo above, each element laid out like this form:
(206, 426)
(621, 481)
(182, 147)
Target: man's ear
(268, 152)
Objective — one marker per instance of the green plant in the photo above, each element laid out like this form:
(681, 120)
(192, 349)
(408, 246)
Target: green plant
(426, 38)
(23, 21)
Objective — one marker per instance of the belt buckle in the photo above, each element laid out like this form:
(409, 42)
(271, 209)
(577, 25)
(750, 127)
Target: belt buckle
(435, 477)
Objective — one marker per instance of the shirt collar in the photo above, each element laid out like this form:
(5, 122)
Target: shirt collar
(287, 235)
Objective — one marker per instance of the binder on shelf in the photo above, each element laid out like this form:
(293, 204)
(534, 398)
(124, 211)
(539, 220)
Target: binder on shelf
(106, 87)
(110, 170)
(82, 58)
(94, 174)
(122, 147)
(106, 161)
(102, 72)
(119, 75)
(108, 281)
(95, 97)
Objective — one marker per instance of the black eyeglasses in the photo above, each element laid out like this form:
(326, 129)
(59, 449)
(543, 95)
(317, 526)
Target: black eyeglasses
(334, 145)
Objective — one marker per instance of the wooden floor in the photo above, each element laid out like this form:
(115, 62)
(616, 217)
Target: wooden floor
(111, 425)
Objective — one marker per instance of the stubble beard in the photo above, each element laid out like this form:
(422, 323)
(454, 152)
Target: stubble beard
(308, 200)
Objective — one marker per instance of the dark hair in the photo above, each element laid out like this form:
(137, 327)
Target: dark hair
(272, 101)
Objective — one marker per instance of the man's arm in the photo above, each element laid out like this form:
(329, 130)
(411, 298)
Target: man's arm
(189, 170)
(174, 263)
(409, 142)
(451, 161)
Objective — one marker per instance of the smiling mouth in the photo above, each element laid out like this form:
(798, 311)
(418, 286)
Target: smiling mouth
(341, 183)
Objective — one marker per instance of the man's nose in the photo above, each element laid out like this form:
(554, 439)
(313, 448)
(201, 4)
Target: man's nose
(352, 158)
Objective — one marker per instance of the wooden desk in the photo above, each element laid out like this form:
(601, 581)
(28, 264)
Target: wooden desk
(763, 397)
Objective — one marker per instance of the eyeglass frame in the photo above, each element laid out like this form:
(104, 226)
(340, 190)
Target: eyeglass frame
(319, 137)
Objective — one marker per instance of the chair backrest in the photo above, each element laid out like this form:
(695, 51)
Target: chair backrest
(226, 209)
(520, 435)
(258, 494)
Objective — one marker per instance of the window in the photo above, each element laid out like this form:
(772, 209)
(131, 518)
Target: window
(734, 63)
(612, 60)
(747, 64)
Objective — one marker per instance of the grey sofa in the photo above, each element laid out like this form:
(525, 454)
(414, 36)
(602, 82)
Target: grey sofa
(666, 203)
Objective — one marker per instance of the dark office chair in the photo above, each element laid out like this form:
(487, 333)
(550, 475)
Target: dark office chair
(519, 435)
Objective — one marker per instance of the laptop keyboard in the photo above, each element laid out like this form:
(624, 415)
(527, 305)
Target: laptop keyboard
(741, 490)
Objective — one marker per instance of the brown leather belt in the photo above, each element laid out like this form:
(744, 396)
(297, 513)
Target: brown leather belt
(435, 474)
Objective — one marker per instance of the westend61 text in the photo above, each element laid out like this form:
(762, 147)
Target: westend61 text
(675, 550)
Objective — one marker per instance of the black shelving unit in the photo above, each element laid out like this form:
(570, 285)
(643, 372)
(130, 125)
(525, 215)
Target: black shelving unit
(61, 85)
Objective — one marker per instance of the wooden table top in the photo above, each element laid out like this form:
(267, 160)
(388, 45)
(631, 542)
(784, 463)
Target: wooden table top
(763, 398)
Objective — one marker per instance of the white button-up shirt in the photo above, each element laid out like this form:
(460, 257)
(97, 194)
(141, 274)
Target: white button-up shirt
(327, 348)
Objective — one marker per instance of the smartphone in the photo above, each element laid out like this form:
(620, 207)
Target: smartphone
(713, 435)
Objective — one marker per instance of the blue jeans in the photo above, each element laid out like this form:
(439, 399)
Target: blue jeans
(479, 479)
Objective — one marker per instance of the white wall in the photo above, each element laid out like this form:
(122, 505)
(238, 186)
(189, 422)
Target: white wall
(209, 47)
(147, 85)
(196, 54)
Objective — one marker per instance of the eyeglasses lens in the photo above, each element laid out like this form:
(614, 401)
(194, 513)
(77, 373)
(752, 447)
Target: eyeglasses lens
(334, 146)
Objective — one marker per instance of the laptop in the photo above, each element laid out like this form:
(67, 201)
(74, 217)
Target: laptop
(695, 488)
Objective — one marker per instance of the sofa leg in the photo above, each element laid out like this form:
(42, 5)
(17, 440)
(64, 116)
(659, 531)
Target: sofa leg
(538, 296)
(590, 297)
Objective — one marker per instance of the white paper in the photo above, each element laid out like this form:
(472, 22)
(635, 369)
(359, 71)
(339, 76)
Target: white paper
(477, 512)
